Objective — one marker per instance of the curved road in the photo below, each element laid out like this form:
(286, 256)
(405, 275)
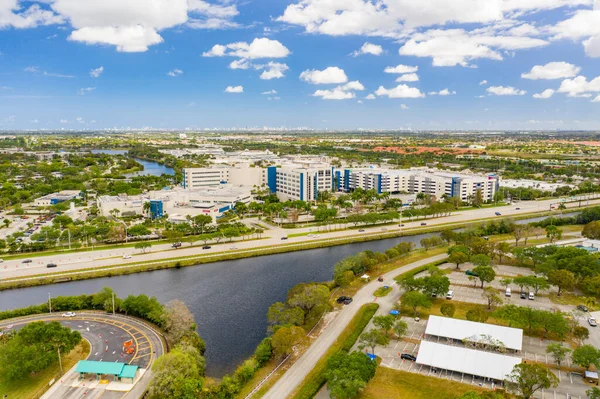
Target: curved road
(303, 365)
(106, 335)
(69, 262)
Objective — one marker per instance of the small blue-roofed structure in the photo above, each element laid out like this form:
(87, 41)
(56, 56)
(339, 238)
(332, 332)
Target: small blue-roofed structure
(372, 356)
(117, 370)
(394, 312)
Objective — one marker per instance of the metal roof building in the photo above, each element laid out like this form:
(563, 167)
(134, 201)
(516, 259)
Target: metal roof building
(468, 361)
(117, 370)
(445, 327)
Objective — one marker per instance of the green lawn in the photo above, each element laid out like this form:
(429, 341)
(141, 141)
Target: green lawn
(382, 291)
(390, 383)
(35, 386)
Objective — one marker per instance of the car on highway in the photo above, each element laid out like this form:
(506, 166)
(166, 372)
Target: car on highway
(69, 314)
(27, 261)
(583, 308)
(284, 238)
(523, 295)
(383, 229)
(423, 224)
(498, 214)
(346, 300)
(176, 245)
(51, 265)
(401, 225)
(517, 209)
(592, 322)
(206, 247)
(127, 256)
(408, 356)
(233, 247)
(361, 230)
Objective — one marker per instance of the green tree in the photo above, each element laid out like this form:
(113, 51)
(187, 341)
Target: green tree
(373, 339)
(585, 356)
(175, 375)
(477, 314)
(385, 323)
(179, 321)
(286, 339)
(553, 233)
(502, 250)
(591, 230)
(593, 393)
(280, 314)
(558, 352)
(526, 379)
(481, 260)
(490, 294)
(434, 285)
(144, 245)
(448, 309)
(485, 274)
(400, 328)
(415, 300)
(563, 279)
(458, 258)
(580, 334)
(347, 374)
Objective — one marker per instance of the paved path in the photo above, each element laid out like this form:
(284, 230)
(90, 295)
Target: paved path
(298, 371)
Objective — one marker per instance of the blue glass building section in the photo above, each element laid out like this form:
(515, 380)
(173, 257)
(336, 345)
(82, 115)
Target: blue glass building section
(156, 209)
(379, 184)
(301, 186)
(346, 179)
(316, 187)
(338, 180)
(272, 178)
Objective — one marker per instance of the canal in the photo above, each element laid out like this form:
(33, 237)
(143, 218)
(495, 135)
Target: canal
(228, 299)
(151, 168)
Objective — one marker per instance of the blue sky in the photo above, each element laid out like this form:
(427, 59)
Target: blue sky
(98, 64)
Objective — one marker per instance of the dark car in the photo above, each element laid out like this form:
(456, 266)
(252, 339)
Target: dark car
(582, 308)
(423, 224)
(176, 245)
(361, 230)
(380, 279)
(284, 238)
(517, 209)
(408, 356)
(401, 225)
(523, 295)
(498, 214)
(206, 247)
(51, 265)
(27, 261)
(344, 299)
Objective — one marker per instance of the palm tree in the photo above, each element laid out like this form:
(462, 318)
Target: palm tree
(114, 212)
(147, 207)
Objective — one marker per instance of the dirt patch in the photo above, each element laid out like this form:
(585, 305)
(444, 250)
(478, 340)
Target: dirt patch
(425, 150)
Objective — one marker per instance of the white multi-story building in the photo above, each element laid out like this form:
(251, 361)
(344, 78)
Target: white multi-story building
(300, 182)
(413, 181)
(238, 175)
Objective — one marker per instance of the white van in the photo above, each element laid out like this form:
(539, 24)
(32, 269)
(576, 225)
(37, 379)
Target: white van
(531, 296)
(507, 293)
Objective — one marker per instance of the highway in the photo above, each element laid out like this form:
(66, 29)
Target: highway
(66, 262)
(106, 334)
(303, 365)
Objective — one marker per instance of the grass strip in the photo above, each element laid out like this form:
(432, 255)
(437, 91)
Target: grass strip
(315, 379)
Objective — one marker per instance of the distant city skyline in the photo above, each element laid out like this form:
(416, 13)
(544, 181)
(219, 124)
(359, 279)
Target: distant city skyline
(318, 64)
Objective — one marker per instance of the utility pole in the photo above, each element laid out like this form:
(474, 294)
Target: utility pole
(113, 300)
(49, 303)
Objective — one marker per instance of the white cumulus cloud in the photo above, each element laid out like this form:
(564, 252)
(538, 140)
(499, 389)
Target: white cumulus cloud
(84, 90)
(270, 92)
(95, 73)
(404, 107)
(443, 92)
(327, 76)
(408, 77)
(175, 72)
(234, 89)
(545, 94)
(505, 91)
(369, 48)
(336, 94)
(258, 48)
(401, 69)
(400, 91)
(483, 82)
(596, 100)
(552, 70)
(370, 97)
(579, 86)
(272, 70)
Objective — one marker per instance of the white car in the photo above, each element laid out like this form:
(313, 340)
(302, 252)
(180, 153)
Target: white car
(592, 322)
(69, 314)
(450, 295)
(127, 256)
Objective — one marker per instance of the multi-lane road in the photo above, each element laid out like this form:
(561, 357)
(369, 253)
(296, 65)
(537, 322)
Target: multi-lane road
(15, 268)
(106, 335)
